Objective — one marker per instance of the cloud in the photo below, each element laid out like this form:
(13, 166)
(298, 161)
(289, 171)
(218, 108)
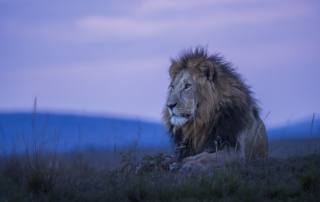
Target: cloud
(118, 27)
(143, 24)
(101, 69)
(128, 27)
(178, 5)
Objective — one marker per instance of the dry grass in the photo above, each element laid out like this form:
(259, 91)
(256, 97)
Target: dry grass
(70, 179)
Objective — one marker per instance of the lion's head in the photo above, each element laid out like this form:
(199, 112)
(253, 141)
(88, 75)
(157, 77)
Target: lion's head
(191, 92)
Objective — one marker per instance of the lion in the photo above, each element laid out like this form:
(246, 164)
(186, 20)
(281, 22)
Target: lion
(211, 114)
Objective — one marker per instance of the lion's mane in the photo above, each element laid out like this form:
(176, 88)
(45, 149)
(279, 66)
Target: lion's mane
(226, 105)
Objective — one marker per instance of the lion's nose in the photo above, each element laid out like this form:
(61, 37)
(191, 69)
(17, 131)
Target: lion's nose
(171, 106)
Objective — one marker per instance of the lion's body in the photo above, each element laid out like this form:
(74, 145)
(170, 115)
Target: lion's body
(210, 109)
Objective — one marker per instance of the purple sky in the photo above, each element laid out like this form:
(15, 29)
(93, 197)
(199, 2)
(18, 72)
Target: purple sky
(107, 57)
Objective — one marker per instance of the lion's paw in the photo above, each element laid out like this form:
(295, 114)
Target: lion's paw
(201, 161)
(191, 164)
(190, 167)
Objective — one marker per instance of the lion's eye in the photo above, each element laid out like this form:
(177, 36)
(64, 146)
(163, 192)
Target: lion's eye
(187, 86)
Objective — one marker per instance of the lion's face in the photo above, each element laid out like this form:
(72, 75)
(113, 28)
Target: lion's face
(182, 102)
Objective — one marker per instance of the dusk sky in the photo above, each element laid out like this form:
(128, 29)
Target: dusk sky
(112, 57)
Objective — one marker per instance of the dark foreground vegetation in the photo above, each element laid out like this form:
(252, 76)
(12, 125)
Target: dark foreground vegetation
(291, 173)
(73, 178)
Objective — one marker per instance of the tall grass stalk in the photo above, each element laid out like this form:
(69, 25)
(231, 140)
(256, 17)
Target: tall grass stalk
(27, 149)
(35, 164)
(78, 152)
(55, 147)
(4, 151)
(194, 124)
(235, 149)
(216, 143)
(315, 149)
(255, 138)
(312, 124)
(139, 134)
(309, 147)
(33, 135)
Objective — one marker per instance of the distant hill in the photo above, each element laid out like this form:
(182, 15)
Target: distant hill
(298, 129)
(85, 132)
(88, 132)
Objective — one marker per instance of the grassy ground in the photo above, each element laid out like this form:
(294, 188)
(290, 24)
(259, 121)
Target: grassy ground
(75, 177)
(291, 173)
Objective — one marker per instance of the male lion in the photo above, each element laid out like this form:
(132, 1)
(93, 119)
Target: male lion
(211, 113)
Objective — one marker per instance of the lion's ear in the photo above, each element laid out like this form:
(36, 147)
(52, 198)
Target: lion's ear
(174, 69)
(207, 69)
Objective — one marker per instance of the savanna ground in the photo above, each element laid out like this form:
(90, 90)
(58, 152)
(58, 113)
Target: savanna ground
(291, 173)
